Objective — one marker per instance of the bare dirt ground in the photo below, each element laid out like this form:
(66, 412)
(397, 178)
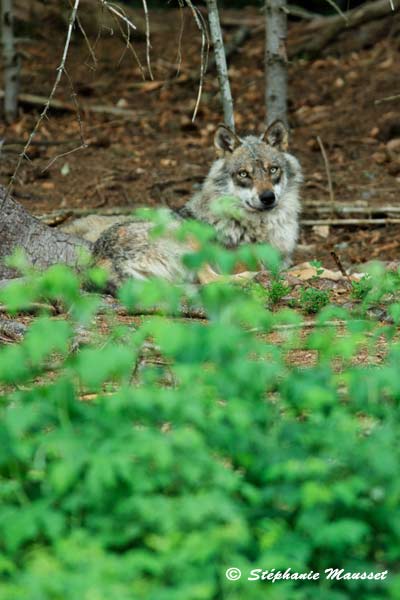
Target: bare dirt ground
(158, 156)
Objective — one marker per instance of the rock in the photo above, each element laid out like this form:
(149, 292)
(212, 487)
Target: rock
(306, 271)
(374, 132)
(339, 82)
(321, 230)
(393, 145)
(304, 248)
(394, 167)
(341, 246)
(379, 157)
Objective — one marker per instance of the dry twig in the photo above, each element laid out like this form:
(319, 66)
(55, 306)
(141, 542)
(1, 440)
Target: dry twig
(205, 44)
(60, 71)
(148, 44)
(121, 15)
(327, 168)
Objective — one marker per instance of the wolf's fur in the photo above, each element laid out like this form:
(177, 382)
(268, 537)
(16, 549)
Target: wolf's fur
(262, 181)
(92, 226)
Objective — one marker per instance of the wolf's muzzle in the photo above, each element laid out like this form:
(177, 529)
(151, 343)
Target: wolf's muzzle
(267, 200)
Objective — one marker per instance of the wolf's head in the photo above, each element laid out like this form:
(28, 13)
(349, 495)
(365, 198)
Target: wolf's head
(256, 170)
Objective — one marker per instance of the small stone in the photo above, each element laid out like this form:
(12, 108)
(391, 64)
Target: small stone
(379, 157)
(393, 145)
(48, 185)
(321, 230)
(394, 167)
(374, 132)
(352, 76)
(168, 162)
(341, 246)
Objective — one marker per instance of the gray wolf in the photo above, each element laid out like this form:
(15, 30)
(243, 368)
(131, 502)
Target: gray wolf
(262, 181)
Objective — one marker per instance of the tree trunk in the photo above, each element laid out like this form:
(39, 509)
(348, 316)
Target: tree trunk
(220, 62)
(11, 62)
(42, 245)
(276, 60)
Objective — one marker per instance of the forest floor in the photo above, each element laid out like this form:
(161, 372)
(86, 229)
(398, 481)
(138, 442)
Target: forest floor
(156, 155)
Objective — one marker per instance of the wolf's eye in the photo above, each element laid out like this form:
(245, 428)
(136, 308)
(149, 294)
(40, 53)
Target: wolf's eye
(243, 174)
(273, 170)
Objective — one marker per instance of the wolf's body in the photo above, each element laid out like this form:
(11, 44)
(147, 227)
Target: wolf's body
(92, 226)
(262, 181)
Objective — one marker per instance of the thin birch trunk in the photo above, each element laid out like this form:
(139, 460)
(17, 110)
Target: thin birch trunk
(276, 60)
(220, 62)
(11, 62)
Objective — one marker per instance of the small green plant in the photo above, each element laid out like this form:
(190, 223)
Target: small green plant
(312, 299)
(270, 295)
(361, 288)
(277, 290)
(317, 264)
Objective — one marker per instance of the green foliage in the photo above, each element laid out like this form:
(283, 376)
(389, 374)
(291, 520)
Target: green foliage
(161, 453)
(318, 266)
(312, 299)
(361, 288)
(277, 290)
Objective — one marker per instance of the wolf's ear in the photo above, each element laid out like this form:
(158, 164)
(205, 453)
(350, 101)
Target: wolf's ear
(225, 140)
(277, 135)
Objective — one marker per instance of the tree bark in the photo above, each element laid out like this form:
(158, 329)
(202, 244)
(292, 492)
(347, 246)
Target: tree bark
(11, 62)
(220, 62)
(276, 60)
(43, 246)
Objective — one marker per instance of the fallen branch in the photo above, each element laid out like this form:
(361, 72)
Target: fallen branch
(16, 142)
(322, 31)
(228, 20)
(358, 208)
(183, 312)
(34, 100)
(344, 222)
(60, 215)
(312, 324)
(32, 308)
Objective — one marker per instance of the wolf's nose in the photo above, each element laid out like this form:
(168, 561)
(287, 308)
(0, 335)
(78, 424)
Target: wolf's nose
(267, 199)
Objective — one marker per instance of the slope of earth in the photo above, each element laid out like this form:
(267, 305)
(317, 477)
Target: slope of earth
(155, 155)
